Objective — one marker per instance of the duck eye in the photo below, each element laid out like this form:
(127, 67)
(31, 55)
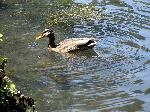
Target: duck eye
(44, 32)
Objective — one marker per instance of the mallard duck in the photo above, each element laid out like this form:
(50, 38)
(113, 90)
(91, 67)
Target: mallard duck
(68, 45)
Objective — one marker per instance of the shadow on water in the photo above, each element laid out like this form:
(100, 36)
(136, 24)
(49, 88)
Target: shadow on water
(85, 53)
(112, 77)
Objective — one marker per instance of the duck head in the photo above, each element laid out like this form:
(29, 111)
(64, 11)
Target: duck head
(50, 35)
(46, 33)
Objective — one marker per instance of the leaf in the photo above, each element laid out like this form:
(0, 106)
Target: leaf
(1, 35)
(1, 39)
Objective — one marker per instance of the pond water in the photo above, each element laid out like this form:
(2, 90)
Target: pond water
(114, 77)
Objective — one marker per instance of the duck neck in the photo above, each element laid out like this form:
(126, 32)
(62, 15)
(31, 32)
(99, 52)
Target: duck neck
(51, 43)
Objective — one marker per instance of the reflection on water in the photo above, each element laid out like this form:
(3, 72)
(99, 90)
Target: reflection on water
(112, 77)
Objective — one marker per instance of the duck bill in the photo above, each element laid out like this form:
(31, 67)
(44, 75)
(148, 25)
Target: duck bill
(39, 37)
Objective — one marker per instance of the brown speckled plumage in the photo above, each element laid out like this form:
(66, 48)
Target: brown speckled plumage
(68, 45)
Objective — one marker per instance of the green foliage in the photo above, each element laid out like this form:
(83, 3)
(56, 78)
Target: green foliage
(8, 86)
(1, 35)
(4, 59)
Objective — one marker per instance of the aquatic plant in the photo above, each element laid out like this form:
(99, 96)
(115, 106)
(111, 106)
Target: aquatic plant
(74, 13)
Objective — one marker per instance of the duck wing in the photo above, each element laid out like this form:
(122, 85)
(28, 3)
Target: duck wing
(73, 44)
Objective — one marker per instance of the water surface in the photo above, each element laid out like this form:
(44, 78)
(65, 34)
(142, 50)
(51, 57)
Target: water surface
(113, 78)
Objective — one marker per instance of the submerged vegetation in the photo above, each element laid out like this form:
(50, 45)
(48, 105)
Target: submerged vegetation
(75, 13)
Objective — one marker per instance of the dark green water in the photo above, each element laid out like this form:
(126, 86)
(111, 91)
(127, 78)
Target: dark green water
(114, 78)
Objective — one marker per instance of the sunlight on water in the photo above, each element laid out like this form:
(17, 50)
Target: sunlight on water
(112, 77)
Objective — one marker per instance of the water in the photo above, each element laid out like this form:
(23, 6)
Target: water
(113, 78)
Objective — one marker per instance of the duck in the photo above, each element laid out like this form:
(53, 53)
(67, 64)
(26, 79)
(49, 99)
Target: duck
(67, 45)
